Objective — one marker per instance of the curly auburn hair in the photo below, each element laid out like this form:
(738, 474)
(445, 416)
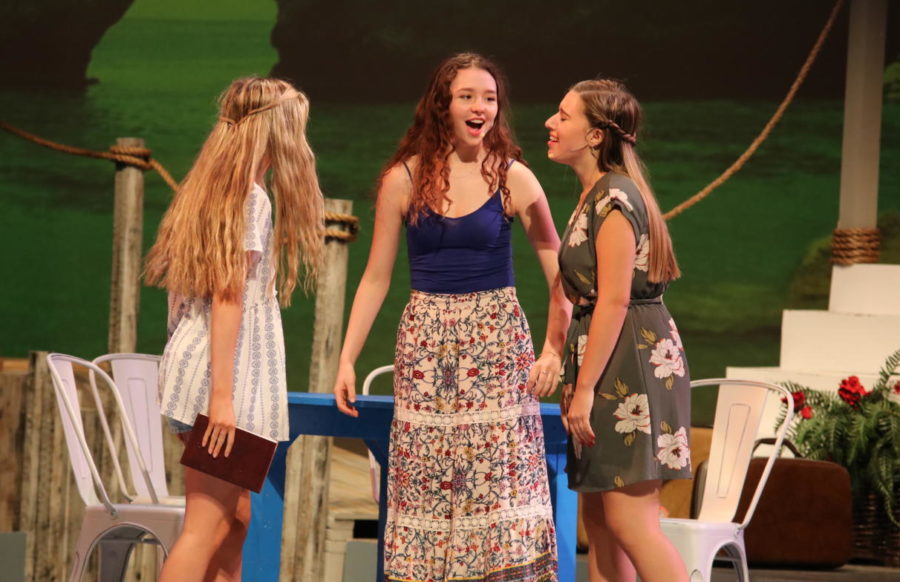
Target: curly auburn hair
(430, 138)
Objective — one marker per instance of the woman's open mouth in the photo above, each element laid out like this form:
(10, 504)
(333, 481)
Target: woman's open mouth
(475, 126)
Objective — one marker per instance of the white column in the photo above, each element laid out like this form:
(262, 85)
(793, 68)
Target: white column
(862, 114)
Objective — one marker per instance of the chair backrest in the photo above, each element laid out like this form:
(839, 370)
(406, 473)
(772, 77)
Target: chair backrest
(88, 479)
(739, 409)
(374, 470)
(367, 383)
(135, 377)
(85, 470)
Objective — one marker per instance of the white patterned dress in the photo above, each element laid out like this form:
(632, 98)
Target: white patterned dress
(260, 386)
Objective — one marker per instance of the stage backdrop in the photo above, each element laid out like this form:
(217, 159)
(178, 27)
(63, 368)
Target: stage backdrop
(709, 74)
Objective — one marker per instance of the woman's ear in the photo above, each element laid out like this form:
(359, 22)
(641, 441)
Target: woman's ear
(595, 138)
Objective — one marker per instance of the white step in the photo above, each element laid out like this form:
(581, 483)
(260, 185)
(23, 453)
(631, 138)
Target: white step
(826, 382)
(871, 289)
(822, 341)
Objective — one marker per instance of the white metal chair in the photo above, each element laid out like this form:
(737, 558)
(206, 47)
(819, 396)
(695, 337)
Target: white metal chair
(739, 409)
(374, 467)
(135, 377)
(114, 528)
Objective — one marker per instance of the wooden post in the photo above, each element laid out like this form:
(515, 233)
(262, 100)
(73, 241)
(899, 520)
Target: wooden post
(330, 291)
(862, 114)
(12, 442)
(38, 395)
(306, 482)
(49, 503)
(128, 222)
(125, 294)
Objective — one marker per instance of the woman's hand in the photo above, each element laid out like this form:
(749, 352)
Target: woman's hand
(345, 390)
(530, 205)
(578, 417)
(544, 375)
(221, 427)
(390, 208)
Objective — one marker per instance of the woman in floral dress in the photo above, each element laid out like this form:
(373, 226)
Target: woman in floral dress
(467, 495)
(626, 400)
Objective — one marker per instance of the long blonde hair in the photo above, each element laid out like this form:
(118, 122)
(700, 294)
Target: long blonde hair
(612, 109)
(199, 250)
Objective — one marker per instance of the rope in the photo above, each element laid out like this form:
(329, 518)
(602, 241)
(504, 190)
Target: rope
(739, 163)
(133, 156)
(855, 245)
(348, 221)
(140, 158)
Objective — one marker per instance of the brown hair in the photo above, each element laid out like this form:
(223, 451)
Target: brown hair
(430, 137)
(199, 249)
(610, 108)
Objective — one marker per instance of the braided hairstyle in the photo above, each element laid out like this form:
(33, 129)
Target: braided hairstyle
(612, 109)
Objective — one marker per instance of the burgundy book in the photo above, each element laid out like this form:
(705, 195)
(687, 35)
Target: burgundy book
(246, 466)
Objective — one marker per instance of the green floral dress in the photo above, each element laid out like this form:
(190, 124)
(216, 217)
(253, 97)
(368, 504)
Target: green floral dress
(642, 405)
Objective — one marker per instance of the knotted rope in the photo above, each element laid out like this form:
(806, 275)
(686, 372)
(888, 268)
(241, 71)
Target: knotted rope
(133, 156)
(141, 158)
(347, 220)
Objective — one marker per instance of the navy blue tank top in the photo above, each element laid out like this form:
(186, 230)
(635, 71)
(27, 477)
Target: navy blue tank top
(461, 255)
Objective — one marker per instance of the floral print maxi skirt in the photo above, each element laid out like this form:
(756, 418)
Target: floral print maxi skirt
(468, 497)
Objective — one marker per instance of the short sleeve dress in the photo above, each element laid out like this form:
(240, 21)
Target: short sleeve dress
(642, 406)
(260, 385)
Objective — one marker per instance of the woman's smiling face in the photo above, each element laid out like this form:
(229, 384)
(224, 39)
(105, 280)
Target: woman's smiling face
(473, 106)
(569, 131)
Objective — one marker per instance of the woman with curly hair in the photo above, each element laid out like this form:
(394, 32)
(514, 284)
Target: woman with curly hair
(468, 497)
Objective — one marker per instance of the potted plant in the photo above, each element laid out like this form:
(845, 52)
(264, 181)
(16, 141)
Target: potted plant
(859, 428)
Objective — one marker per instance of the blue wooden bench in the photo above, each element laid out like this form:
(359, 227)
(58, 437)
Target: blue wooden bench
(316, 414)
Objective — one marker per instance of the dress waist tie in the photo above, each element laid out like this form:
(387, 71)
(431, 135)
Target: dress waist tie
(581, 323)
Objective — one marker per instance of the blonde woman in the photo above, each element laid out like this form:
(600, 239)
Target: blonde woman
(626, 400)
(225, 264)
